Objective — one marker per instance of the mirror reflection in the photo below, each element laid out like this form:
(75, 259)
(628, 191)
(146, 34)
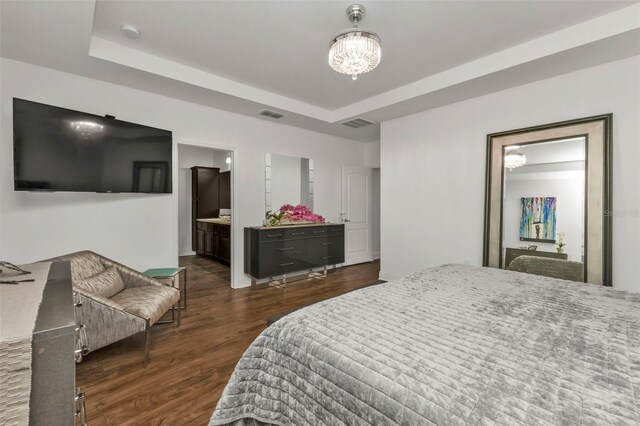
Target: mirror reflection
(288, 180)
(544, 201)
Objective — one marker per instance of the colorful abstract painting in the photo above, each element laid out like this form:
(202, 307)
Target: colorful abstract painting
(538, 219)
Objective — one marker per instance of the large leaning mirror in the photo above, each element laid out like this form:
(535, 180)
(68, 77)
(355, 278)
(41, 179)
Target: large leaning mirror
(288, 180)
(548, 194)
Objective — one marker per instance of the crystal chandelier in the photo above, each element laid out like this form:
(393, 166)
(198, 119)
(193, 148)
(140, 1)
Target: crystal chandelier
(355, 51)
(513, 160)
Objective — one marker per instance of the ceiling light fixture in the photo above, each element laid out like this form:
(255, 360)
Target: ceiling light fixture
(355, 51)
(130, 31)
(513, 160)
(86, 127)
(228, 160)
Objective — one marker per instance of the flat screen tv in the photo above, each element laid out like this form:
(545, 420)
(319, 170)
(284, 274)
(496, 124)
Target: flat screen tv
(58, 149)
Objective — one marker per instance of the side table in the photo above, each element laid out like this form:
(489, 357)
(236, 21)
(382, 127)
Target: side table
(172, 274)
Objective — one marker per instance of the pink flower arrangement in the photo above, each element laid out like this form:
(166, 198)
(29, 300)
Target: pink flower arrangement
(294, 214)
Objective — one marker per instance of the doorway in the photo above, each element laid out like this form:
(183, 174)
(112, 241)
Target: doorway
(205, 213)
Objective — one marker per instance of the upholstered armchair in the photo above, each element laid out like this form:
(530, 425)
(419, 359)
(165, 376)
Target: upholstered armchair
(548, 267)
(117, 301)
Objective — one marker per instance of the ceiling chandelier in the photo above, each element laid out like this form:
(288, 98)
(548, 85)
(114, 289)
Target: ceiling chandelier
(513, 160)
(355, 51)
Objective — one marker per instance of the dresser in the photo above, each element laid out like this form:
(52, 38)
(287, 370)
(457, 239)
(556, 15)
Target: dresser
(512, 253)
(54, 396)
(40, 343)
(276, 251)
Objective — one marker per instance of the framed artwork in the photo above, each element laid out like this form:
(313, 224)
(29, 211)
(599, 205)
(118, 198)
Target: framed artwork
(538, 219)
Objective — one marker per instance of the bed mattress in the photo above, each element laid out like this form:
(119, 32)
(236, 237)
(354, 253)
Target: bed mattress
(451, 345)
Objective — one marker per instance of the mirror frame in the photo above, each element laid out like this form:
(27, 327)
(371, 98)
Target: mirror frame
(597, 131)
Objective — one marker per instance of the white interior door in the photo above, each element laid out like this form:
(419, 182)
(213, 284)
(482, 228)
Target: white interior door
(356, 213)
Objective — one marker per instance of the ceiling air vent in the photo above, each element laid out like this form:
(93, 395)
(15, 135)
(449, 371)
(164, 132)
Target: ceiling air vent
(356, 123)
(271, 114)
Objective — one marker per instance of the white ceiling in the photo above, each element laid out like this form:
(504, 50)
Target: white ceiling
(246, 56)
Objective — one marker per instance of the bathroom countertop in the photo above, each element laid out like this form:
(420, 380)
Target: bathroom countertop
(215, 220)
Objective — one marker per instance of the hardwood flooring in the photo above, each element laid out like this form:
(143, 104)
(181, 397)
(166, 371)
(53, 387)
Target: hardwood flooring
(190, 365)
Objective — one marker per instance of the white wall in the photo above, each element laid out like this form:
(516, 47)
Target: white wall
(568, 188)
(372, 154)
(142, 230)
(375, 214)
(433, 166)
(220, 160)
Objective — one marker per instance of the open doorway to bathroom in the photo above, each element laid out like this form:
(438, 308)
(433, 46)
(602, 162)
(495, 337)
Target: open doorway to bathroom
(204, 215)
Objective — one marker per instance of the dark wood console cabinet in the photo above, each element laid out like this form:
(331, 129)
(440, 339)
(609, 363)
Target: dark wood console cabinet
(204, 197)
(275, 251)
(214, 240)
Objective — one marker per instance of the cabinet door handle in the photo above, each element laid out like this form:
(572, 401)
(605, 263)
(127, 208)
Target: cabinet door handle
(327, 257)
(297, 233)
(286, 249)
(282, 265)
(327, 244)
(273, 235)
(318, 232)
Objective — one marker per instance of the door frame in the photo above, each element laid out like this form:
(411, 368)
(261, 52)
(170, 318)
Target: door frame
(175, 196)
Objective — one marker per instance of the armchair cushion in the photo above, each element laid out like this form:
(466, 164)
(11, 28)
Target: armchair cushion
(149, 302)
(105, 284)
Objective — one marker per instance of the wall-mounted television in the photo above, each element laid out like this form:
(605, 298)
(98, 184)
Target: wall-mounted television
(58, 149)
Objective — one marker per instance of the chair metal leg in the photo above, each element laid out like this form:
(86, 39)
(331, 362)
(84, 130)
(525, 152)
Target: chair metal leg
(147, 343)
(178, 325)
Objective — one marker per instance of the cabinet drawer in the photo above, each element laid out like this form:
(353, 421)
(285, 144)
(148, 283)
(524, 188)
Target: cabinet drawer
(327, 251)
(293, 233)
(272, 235)
(281, 257)
(335, 230)
(319, 231)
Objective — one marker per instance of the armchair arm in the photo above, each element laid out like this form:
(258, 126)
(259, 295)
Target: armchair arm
(105, 321)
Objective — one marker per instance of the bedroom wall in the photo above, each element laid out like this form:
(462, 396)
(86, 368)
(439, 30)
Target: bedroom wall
(433, 166)
(140, 230)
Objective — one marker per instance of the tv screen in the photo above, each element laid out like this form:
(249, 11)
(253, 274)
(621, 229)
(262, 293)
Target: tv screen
(58, 149)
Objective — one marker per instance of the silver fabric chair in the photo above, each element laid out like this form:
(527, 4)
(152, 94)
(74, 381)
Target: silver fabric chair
(548, 267)
(117, 301)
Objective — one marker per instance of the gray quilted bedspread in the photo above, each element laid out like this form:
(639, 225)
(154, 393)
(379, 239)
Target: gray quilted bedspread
(451, 345)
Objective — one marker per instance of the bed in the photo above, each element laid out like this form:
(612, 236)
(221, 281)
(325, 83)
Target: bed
(450, 345)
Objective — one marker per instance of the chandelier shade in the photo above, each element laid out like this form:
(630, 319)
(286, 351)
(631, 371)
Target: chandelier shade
(513, 160)
(355, 51)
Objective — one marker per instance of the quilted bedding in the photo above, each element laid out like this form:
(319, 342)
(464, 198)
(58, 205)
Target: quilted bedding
(451, 345)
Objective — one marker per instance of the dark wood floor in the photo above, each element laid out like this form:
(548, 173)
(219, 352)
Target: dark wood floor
(190, 365)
